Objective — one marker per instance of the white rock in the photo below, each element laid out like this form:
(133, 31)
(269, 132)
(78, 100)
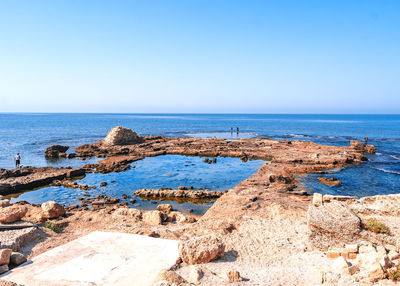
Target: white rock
(195, 275)
(351, 248)
(393, 255)
(317, 199)
(340, 264)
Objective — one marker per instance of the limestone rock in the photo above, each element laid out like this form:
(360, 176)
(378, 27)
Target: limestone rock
(332, 221)
(233, 276)
(357, 145)
(370, 149)
(170, 277)
(12, 213)
(121, 136)
(17, 258)
(375, 272)
(152, 217)
(165, 208)
(51, 209)
(317, 199)
(5, 255)
(201, 249)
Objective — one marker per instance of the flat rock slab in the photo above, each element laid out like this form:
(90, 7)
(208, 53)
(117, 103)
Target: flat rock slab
(17, 238)
(99, 258)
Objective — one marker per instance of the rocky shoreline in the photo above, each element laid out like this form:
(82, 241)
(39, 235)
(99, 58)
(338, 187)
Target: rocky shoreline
(263, 231)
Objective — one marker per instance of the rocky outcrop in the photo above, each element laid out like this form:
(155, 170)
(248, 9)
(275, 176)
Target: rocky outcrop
(332, 223)
(56, 151)
(31, 177)
(330, 181)
(169, 193)
(201, 249)
(121, 136)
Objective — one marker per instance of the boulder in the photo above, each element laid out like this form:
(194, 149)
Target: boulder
(201, 249)
(12, 213)
(5, 255)
(56, 151)
(152, 217)
(121, 136)
(17, 258)
(165, 208)
(51, 209)
(332, 222)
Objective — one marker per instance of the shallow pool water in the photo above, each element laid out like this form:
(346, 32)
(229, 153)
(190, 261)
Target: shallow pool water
(168, 171)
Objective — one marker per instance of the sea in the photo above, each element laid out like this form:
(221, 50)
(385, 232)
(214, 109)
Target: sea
(31, 133)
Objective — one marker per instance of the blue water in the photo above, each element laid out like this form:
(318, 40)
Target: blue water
(30, 134)
(169, 171)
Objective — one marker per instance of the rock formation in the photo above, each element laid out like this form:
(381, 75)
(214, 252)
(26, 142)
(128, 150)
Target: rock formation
(121, 136)
(56, 151)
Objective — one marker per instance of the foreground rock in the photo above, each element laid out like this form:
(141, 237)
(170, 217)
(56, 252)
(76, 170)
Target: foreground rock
(12, 213)
(201, 249)
(51, 209)
(121, 136)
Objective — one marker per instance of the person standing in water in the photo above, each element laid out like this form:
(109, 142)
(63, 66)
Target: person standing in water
(17, 159)
(237, 130)
(231, 130)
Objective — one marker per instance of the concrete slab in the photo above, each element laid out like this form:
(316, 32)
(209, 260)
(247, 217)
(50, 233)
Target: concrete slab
(100, 258)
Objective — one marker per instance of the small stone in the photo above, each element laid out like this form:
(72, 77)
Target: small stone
(351, 269)
(103, 184)
(195, 275)
(317, 199)
(340, 264)
(5, 254)
(17, 258)
(3, 268)
(233, 276)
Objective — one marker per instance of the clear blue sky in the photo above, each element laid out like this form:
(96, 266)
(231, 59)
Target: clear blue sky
(200, 56)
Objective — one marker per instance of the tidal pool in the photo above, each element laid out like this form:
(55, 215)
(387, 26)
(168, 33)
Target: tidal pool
(168, 171)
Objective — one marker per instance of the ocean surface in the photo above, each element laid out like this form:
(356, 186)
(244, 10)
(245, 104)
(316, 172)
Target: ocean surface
(31, 134)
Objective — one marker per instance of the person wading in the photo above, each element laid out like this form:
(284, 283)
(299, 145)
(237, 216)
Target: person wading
(17, 159)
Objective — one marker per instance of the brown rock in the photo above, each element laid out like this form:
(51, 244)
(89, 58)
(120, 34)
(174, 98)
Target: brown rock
(170, 277)
(3, 268)
(51, 209)
(370, 149)
(12, 213)
(201, 249)
(165, 208)
(17, 258)
(55, 151)
(233, 276)
(5, 255)
(330, 181)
